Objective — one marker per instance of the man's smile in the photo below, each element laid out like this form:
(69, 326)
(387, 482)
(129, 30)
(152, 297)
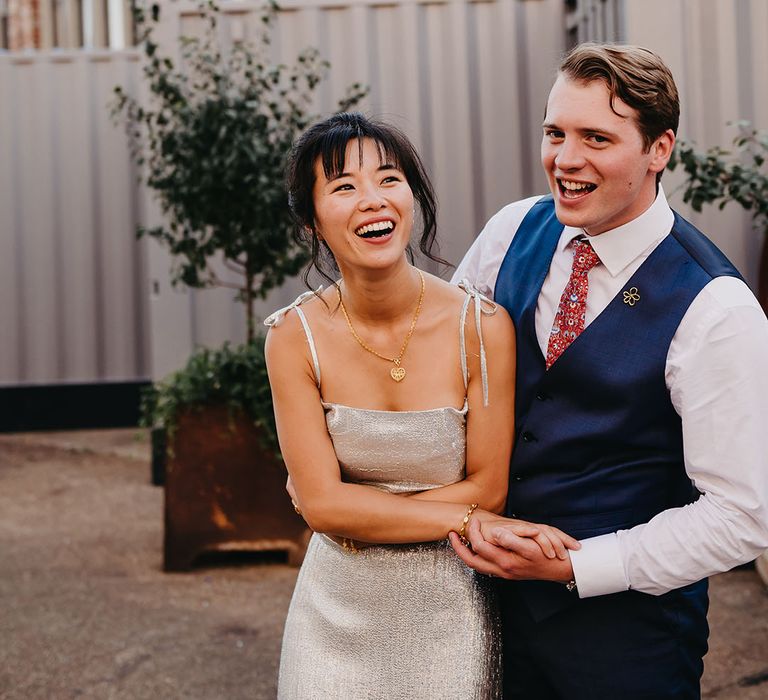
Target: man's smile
(572, 189)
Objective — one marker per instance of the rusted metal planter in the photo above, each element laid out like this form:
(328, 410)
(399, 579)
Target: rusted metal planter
(223, 491)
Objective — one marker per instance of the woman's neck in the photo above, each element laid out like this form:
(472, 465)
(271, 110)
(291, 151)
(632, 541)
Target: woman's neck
(381, 295)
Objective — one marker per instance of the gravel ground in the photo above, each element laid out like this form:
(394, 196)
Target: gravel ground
(88, 613)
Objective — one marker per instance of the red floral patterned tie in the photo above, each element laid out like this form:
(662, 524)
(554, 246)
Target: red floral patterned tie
(569, 319)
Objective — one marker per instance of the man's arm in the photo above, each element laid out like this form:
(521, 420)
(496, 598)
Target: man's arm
(718, 381)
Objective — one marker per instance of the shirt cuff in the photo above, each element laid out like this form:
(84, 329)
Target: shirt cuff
(598, 568)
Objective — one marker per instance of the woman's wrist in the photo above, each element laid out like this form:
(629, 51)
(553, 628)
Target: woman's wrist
(462, 532)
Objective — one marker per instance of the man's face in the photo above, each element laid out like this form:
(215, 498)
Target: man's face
(595, 160)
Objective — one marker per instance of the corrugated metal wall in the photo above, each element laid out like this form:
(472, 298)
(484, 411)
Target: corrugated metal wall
(718, 54)
(71, 274)
(466, 79)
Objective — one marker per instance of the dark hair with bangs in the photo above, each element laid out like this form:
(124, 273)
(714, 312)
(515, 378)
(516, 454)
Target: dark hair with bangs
(328, 141)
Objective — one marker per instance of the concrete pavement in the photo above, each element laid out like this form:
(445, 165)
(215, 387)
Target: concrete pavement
(86, 611)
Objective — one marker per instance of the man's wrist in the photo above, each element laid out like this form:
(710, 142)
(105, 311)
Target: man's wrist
(598, 567)
(565, 571)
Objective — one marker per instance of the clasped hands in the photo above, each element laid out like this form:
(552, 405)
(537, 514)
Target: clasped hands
(508, 548)
(515, 549)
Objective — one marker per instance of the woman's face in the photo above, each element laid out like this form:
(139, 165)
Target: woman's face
(364, 214)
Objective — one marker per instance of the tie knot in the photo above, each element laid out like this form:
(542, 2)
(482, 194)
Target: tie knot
(584, 256)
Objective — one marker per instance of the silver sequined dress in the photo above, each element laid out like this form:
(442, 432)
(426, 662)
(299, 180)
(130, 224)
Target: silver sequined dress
(392, 622)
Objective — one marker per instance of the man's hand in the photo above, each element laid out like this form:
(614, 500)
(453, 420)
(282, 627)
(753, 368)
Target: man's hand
(508, 555)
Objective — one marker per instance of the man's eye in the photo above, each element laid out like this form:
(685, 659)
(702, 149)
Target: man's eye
(553, 134)
(597, 138)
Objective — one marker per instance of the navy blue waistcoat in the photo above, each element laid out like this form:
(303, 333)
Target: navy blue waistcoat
(599, 444)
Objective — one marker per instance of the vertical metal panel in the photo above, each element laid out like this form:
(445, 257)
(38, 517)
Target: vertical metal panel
(119, 24)
(115, 226)
(449, 157)
(593, 20)
(10, 285)
(501, 128)
(69, 24)
(757, 20)
(47, 23)
(74, 312)
(77, 304)
(95, 31)
(170, 327)
(38, 259)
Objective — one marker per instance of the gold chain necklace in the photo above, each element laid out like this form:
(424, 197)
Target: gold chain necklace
(397, 372)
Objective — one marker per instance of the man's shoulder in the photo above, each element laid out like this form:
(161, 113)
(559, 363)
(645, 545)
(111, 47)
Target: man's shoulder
(708, 256)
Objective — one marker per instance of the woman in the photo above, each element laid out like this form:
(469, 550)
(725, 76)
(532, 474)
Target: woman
(394, 409)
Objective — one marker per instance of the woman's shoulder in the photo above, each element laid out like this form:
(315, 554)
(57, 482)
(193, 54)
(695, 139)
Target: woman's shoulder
(462, 301)
(450, 296)
(295, 321)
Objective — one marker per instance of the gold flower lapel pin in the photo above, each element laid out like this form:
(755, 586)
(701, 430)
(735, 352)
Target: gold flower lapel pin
(632, 296)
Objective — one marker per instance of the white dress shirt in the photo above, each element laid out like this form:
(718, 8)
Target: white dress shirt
(717, 375)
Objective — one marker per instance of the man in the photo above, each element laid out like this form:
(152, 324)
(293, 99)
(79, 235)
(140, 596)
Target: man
(641, 400)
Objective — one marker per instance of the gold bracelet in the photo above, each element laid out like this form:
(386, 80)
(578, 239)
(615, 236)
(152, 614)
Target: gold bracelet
(348, 545)
(464, 523)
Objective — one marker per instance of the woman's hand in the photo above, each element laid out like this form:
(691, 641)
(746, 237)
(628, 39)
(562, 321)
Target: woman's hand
(503, 552)
(520, 535)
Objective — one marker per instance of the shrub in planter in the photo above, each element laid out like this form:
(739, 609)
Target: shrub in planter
(234, 377)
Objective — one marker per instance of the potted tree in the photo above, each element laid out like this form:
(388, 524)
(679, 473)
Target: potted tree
(212, 142)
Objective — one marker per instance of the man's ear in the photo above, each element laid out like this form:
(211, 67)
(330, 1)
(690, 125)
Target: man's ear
(661, 151)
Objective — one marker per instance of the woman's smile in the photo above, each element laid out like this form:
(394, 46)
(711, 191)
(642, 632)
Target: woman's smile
(376, 229)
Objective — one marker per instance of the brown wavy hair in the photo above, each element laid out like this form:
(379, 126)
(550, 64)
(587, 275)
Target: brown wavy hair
(635, 75)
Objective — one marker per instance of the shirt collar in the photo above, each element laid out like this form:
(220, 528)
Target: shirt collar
(618, 247)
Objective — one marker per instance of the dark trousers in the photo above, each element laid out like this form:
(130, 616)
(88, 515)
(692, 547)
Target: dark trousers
(625, 646)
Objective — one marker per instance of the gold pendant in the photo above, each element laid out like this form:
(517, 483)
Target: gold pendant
(398, 373)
